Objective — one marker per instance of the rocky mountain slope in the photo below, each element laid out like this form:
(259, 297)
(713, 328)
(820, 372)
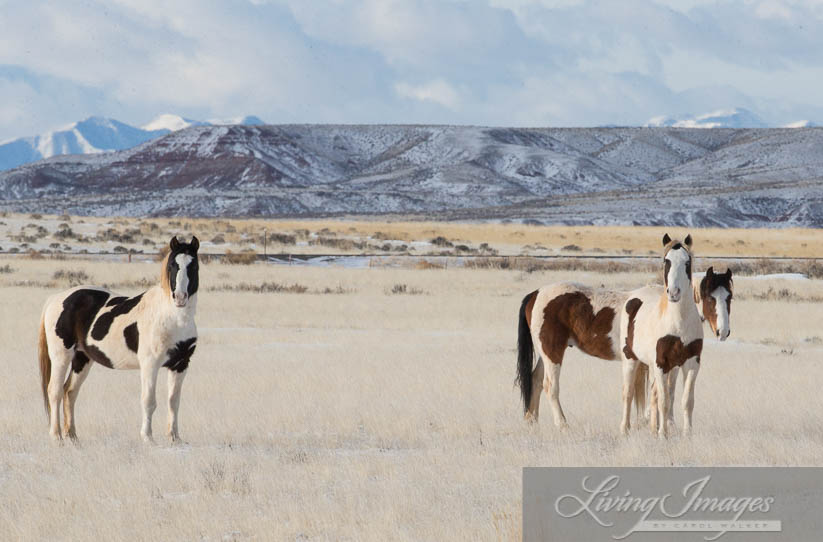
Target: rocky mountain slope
(663, 175)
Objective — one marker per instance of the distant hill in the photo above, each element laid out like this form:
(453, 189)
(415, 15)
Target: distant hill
(701, 177)
(95, 135)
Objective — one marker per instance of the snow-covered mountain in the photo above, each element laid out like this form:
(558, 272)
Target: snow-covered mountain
(724, 118)
(675, 176)
(801, 124)
(170, 123)
(93, 135)
(96, 135)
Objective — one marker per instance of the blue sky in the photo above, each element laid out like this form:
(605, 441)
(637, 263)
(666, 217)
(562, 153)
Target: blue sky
(490, 62)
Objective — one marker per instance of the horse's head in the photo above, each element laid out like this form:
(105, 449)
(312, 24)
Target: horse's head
(180, 273)
(716, 301)
(677, 266)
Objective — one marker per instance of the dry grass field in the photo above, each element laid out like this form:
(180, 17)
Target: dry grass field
(371, 404)
(71, 235)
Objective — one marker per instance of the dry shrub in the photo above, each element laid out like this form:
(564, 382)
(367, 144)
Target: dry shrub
(426, 264)
(530, 264)
(240, 258)
(283, 238)
(73, 278)
(441, 241)
(262, 288)
(404, 289)
(341, 244)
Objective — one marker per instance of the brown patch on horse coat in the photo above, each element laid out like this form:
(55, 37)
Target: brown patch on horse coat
(571, 316)
(672, 353)
(530, 307)
(164, 275)
(632, 307)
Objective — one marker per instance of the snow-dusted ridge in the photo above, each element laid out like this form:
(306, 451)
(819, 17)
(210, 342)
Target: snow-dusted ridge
(673, 176)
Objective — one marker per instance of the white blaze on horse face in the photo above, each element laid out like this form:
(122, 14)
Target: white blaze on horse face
(721, 296)
(181, 283)
(678, 280)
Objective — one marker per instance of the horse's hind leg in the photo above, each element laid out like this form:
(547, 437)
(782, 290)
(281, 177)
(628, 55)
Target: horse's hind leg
(629, 374)
(60, 363)
(552, 384)
(537, 385)
(80, 367)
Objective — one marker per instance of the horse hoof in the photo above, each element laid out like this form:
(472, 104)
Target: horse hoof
(624, 430)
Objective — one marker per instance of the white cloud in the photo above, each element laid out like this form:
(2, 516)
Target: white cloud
(572, 62)
(437, 91)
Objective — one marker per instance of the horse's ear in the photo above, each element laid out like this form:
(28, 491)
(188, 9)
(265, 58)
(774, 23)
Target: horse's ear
(195, 243)
(688, 241)
(666, 239)
(174, 244)
(729, 273)
(710, 271)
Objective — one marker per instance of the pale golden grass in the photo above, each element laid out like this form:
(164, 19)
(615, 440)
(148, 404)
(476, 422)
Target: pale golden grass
(370, 416)
(247, 234)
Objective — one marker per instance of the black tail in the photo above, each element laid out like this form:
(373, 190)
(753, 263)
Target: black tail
(525, 353)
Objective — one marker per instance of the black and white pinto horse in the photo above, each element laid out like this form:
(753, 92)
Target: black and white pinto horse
(152, 330)
(598, 322)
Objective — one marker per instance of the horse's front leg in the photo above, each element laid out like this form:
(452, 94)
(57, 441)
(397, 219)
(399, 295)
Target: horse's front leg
(671, 381)
(148, 380)
(175, 384)
(690, 370)
(662, 401)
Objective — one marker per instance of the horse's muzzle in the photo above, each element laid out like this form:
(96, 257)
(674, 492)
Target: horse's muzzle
(674, 294)
(180, 300)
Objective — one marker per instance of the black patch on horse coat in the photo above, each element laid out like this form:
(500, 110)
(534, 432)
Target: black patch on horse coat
(103, 324)
(632, 307)
(180, 354)
(79, 361)
(99, 356)
(79, 310)
(132, 337)
(116, 300)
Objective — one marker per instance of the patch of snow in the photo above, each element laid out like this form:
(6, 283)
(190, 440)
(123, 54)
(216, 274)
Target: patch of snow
(170, 122)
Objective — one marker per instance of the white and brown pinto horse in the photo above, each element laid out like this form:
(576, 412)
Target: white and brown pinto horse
(567, 314)
(662, 329)
(151, 330)
(713, 297)
(556, 317)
